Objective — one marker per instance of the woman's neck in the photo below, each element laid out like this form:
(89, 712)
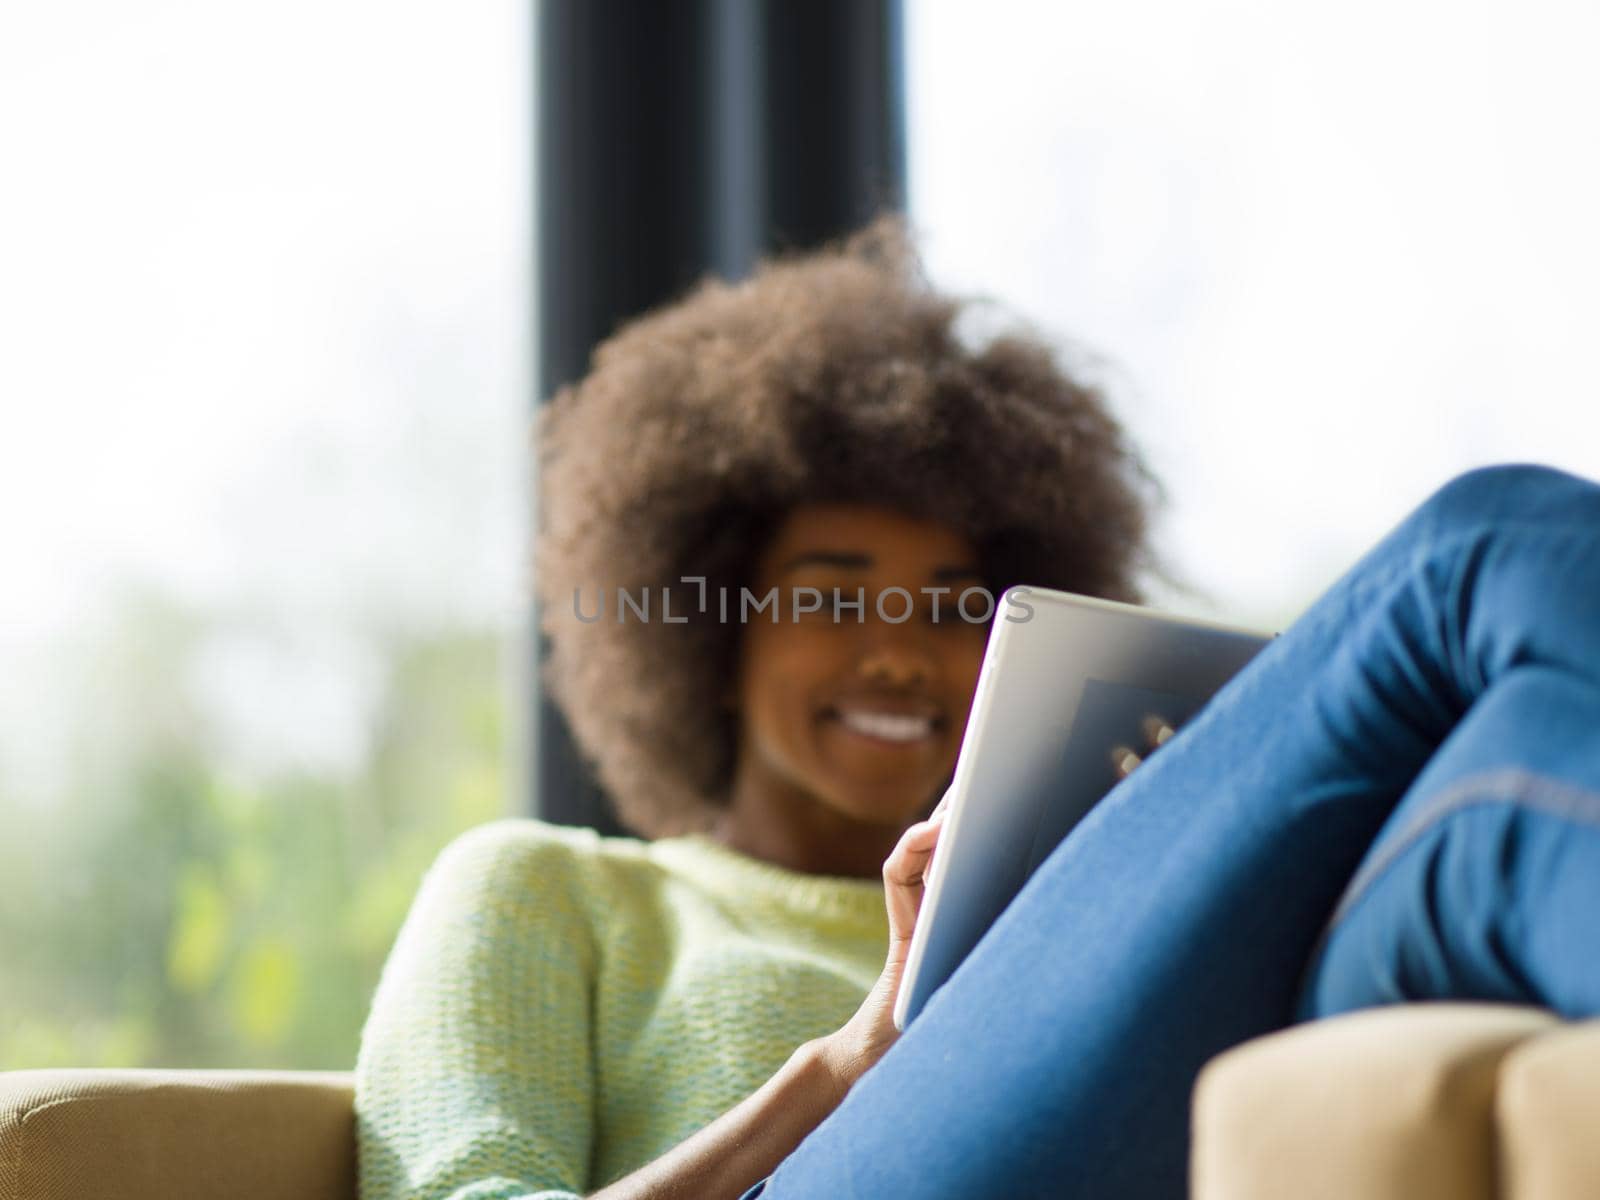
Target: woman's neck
(774, 821)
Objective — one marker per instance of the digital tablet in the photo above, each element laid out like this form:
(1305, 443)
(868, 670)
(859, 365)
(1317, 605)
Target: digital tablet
(1066, 681)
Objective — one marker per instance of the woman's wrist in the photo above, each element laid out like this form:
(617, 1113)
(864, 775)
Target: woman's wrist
(841, 1058)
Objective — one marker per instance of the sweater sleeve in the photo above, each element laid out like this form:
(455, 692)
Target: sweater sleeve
(475, 1079)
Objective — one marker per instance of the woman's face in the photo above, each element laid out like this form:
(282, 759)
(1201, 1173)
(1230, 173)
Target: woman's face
(843, 708)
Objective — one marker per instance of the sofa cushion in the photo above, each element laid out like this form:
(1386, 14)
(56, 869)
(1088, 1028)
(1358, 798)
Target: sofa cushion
(1549, 1113)
(1388, 1104)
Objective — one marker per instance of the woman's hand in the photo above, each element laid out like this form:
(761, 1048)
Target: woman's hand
(868, 1034)
(1157, 731)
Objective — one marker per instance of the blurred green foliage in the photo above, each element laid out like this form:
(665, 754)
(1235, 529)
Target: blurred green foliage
(163, 913)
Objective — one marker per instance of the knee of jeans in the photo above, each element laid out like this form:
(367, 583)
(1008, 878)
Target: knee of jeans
(1503, 491)
(1488, 901)
(1422, 923)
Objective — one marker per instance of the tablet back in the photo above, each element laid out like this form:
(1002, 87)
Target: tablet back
(1065, 679)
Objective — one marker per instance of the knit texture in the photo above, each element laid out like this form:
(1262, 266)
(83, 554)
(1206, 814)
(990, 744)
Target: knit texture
(561, 1008)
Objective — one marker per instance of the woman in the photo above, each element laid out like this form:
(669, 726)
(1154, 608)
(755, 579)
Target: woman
(1443, 699)
(770, 513)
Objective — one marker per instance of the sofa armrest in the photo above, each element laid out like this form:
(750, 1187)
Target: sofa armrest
(167, 1135)
(1388, 1104)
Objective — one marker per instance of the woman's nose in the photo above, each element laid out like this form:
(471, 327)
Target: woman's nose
(895, 664)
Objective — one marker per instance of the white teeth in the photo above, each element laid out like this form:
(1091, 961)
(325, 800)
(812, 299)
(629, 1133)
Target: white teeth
(888, 727)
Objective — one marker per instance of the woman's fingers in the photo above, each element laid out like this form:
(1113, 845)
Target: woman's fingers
(906, 862)
(1157, 731)
(1124, 761)
(903, 874)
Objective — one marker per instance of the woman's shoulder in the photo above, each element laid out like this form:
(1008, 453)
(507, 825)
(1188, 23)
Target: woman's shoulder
(526, 857)
(521, 837)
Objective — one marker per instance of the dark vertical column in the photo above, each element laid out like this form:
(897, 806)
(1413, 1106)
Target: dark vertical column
(833, 118)
(625, 180)
(680, 137)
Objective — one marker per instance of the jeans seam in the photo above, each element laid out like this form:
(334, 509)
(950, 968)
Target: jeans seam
(1510, 786)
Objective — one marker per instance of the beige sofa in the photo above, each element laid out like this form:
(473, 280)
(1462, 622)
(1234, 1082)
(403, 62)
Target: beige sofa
(1423, 1102)
(1416, 1103)
(172, 1135)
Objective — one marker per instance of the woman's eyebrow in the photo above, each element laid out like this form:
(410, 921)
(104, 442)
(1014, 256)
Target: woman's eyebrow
(828, 558)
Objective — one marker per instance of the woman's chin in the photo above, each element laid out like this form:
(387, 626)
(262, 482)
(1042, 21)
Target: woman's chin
(885, 803)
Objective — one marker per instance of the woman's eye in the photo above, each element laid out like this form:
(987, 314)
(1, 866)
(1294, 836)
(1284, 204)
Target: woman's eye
(818, 605)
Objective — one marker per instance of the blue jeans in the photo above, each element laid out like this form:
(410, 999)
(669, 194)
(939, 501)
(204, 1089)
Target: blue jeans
(1433, 721)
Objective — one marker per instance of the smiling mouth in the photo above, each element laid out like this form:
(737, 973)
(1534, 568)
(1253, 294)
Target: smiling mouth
(900, 728)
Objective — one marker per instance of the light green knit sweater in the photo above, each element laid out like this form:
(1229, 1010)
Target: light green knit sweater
(560, 1009)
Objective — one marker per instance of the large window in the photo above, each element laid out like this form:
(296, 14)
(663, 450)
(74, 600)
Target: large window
(1328, 254)
(263, 301)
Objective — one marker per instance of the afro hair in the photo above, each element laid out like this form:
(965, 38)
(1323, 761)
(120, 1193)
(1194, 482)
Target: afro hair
(836, 376)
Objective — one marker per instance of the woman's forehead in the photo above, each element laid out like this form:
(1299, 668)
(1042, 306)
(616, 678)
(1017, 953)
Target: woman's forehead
(863, 535)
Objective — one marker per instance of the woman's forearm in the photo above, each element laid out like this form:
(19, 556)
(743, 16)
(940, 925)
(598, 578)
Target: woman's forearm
(746, 1143)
